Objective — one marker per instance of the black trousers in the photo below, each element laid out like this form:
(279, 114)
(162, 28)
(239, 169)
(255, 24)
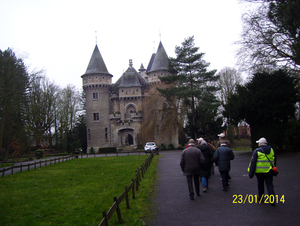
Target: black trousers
(225, 178)
(190, 184)
(264, 178)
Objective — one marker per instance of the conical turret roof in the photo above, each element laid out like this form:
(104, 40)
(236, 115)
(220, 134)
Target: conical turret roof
(96, 64)
(161, 59)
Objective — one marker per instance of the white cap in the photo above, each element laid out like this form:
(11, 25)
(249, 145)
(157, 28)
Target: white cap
(221, 135)
(262, 141)
(200, 139)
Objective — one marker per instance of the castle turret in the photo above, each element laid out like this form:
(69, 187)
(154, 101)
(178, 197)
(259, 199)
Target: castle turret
(158, 65)
(97, 82)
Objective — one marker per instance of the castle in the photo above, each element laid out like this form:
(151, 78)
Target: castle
(116, 113)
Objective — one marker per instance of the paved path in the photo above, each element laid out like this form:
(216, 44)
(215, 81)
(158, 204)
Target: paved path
(173, 206)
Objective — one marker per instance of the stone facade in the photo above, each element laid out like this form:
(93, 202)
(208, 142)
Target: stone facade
(115, 113)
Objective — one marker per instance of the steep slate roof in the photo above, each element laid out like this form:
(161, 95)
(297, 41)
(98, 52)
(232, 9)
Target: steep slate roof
(96, 64)
(130, 78)
(160, 61)
(150, 62)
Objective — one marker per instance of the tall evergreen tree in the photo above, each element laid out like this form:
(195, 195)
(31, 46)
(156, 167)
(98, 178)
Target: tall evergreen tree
(191, 83)
(267, 104)
(14, 81)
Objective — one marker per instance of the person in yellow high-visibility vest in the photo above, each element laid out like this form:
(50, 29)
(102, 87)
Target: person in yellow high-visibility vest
(261, 166)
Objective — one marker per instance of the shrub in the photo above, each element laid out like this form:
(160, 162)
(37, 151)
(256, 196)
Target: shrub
(92, 151)
(171, 147)
(108, 150)
(39, 152)
(163, 146)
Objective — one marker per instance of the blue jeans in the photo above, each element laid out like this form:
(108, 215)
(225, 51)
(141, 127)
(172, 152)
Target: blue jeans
(204, 181)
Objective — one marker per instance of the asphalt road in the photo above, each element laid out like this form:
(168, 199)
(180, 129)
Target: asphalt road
(172, 205)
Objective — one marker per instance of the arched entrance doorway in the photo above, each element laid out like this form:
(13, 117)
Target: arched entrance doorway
(130, 139)
(126, 137)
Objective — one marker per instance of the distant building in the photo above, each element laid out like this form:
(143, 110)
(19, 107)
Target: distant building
(116, 112)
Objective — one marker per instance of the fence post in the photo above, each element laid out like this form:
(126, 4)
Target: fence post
(133, 192)
(28, 166)
(12, 169)
(118, 210)
(40, 163)
(105, 217)
(3, 172)
(21, 168)
(137, 180)
(127, 199)
(34, 164)
(142, 170)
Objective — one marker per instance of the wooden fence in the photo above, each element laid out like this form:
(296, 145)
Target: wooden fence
(134, 186)
(35, 164)
(59, 159)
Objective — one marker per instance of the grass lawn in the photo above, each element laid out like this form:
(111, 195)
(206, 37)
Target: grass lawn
(75, 192)
(241, 145)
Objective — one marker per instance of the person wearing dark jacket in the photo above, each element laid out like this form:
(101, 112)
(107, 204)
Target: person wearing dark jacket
(222, 158)
(261, 165)
(191, 159)
(205, 168)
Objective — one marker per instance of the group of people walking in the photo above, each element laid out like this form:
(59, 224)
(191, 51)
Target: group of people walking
(198, 158)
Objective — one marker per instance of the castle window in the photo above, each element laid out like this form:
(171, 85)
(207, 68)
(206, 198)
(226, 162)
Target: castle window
(154, 74)
(103, 77)
(89, 77)
(96, 117)
(95, 96)
(122, 91)
(89, 134)
(106, 134)
(129, 90)
(137, 90)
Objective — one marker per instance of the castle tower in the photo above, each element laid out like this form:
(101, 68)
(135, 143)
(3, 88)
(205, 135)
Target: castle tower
(158, 65)
(96, 84)
(126, 99)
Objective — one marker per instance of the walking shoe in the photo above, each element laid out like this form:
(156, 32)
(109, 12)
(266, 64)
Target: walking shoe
(204, 189)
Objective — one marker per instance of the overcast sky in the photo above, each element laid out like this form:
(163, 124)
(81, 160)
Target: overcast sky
(59, 35)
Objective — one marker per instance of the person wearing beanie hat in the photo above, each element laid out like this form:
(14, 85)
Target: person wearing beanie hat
(261, 165)
(190, 161)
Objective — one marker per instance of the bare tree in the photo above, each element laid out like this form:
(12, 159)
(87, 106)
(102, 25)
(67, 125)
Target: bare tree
(229, 79)
(68, 105)
(268, 41)
(41, 108)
